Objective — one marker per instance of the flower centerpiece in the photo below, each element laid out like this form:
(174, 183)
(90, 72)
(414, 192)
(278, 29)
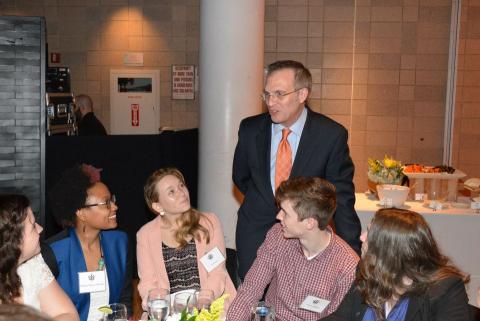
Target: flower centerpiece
(386, 171)
(213, 314)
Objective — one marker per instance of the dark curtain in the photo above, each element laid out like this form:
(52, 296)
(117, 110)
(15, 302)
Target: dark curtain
(127, 161)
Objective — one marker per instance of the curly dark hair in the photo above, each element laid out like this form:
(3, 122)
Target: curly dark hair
(13, 212)
(69, 194)
(400, 244)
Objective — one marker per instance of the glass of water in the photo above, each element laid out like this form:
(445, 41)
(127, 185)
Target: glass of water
(118, 312)
(158, 304)
(262, 312)
(204, 299)
(184, 301)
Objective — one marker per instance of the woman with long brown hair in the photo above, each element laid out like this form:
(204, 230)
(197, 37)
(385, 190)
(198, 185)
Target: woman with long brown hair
(170, 247)
(402, 276)
(24, 276)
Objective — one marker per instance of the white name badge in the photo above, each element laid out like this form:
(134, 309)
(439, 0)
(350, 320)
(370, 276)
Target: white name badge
(314, 304)
(91, 281)
(212, 259)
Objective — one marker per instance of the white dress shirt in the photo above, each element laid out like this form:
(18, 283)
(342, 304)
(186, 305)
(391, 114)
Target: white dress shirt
(293, 140)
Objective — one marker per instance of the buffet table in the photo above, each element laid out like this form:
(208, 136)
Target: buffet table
(457, 232)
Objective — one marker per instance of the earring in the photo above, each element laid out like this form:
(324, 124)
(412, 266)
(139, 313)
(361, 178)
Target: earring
(162, 212)
(84, 226)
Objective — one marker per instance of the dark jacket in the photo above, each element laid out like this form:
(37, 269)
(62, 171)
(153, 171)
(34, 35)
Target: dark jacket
(322, 152)
(445, 300)
(89, 125)
(118, 263)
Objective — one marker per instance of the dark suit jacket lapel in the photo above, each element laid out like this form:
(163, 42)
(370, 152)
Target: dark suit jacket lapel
(263, 151)
(305, 147)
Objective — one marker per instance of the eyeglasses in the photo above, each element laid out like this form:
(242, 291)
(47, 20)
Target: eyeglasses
(112, 200)
(276, 94)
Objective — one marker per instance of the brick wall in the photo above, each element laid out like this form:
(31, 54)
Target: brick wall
(21, 98)
(466, 152)
(93, 35)
(379, 66)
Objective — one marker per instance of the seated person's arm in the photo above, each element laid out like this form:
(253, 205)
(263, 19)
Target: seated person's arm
(55, 302)
(216, 279)
(256, 280)
(146, 269)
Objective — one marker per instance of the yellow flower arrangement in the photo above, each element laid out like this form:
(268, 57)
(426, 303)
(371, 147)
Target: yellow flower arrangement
(386, 171)
(214, 314)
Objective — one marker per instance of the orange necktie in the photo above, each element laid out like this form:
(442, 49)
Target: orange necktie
(283, 164)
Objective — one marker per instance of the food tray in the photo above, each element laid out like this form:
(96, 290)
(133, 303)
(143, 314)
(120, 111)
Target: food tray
(434, 183)
(456, 175)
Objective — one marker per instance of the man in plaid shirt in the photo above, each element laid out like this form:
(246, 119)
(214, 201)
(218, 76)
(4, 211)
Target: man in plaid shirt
(309, 268)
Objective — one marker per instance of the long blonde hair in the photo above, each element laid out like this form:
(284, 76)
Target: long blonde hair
(189, 221)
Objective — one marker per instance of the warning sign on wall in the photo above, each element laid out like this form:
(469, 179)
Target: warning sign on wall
(183, 82)
(135, 115)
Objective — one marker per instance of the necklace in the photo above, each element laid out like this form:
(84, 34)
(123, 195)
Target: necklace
(101, 264)
(101, 260)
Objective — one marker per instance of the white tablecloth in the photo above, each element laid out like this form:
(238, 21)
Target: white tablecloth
(457, 232)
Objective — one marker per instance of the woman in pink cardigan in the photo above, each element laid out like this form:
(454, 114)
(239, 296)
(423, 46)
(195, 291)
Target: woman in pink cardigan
(170, 247)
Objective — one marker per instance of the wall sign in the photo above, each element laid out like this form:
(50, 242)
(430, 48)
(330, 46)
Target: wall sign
(183, 82)
(133, 59)
(55, 57)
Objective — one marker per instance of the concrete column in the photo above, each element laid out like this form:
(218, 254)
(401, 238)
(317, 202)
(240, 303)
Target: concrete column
(231, 81)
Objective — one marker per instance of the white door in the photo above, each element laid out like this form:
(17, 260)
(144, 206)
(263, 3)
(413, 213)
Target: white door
(134, 102)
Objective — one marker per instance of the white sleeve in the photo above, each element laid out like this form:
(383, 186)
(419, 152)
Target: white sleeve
(34, 275)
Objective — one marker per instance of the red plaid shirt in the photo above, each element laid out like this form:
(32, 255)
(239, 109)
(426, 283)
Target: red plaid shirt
(281, 263)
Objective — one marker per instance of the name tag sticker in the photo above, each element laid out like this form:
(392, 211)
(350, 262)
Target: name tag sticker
(314, 304)
(212, 259)
(91, 281)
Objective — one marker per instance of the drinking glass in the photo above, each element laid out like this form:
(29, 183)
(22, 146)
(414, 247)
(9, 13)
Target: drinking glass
(262, 312)
(158, 304)
(203, 299)
(119, 313)
(182, 301)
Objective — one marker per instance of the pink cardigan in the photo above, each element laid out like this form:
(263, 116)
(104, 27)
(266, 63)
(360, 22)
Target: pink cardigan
(151, 267)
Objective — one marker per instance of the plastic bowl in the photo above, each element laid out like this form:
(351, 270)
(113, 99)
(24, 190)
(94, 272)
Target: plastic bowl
(394, 194)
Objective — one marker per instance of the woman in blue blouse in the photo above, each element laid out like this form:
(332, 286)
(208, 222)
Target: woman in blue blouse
(402, 276)
(85, 206)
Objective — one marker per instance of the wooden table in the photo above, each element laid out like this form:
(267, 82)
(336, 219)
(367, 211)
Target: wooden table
(457, 232)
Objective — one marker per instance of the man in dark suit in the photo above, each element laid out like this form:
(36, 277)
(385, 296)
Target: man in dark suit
(317, 147)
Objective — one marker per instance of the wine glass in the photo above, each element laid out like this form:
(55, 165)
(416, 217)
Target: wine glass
(262, 312)
(158, 304)
(184, 301)
(118, 312)
(203, 299)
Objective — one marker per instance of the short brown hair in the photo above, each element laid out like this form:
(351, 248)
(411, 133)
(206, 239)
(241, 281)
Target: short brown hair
(311, 197)
(303, 77)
